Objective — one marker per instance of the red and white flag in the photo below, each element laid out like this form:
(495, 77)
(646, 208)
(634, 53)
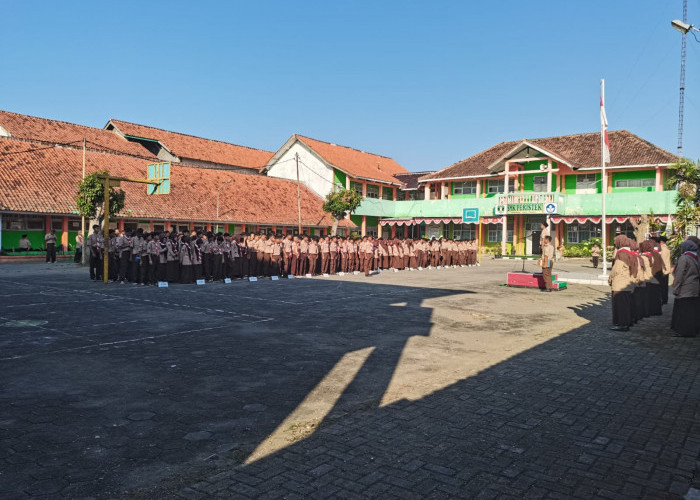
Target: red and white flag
(604, 125)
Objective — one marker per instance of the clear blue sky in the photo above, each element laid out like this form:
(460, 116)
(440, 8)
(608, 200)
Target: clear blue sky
(427, 83)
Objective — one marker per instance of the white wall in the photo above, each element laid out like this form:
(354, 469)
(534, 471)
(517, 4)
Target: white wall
(315, 174)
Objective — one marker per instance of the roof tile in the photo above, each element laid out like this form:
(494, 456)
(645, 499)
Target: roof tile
(197, 148)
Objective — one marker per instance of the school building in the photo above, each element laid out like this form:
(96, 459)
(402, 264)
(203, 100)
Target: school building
(517, 185)
(511, 187)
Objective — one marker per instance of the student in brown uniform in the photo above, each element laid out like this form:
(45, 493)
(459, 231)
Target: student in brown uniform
(172, 273)
(625, 267)
(217, 248)
(547, 262)
(295, 256)
(653, 285)
(333, 253)
(197, 258)
(267, 242)
(50, 241)
(276, 257)
(252, 255)
(685, 320)
(95, 243)
(313, 255)
(153, 251)
(325, 255)
(186, 261)
(665, 253)
(286, 253)
(303, 255)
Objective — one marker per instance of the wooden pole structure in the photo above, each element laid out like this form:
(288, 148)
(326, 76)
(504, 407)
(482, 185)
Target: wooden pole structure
(83, 259)
(298, 192)
(105, 258)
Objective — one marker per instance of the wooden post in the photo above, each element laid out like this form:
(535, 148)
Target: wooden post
(150, 226)
(363, 227)
(296, 156)
(120, 224)
(105, 233)
(83, 259)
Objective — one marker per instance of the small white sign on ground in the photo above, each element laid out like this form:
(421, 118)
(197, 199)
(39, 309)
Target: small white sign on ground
(253, 278)
(275, 278)
(162, 284)
(200, 282)
(227, 280)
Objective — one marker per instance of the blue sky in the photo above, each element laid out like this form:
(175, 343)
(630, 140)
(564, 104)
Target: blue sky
(427, 83)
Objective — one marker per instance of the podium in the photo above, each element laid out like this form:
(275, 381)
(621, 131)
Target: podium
(533, 280)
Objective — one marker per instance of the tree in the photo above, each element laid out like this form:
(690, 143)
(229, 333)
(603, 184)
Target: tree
(340, 204)
(685, 175)
(90, 200)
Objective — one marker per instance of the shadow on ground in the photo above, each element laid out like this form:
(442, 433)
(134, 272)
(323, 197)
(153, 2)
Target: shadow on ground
(107, 390)
(588, 414)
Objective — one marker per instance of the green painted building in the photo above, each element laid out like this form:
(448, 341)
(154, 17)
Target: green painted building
(517, 185)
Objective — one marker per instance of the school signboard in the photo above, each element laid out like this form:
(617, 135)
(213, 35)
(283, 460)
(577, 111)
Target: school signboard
(470, 215)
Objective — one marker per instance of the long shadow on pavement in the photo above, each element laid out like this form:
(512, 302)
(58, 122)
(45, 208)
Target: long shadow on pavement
(589, 414)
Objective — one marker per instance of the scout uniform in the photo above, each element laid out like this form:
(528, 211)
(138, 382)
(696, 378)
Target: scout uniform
(267, 255)
(287, 253)
(303, 255)
(186, 262)
(50, 240)
(547, 262)
(334, 255)
(95, 243)
(325, 255)
(276, 257)
(313, 255)
(172, 259)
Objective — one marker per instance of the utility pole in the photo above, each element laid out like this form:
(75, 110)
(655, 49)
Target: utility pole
(83, 259)
(681, 103)
(296, 156)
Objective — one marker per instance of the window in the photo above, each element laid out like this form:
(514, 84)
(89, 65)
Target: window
(539, 184)
(22, 222)
(372, 191)
(496, 186)
(586, 184)
(357, 186)
(467, 187)
(159, 173)
(465, 232)
(624, 228)
(635, 183)
(578, 233)
(387, 193)
(495, 234)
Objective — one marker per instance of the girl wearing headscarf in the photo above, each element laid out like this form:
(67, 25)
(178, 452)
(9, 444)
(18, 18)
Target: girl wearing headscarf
(685, 320)
(639, 293)
(624, 269)
(653, 285)
(186, 261)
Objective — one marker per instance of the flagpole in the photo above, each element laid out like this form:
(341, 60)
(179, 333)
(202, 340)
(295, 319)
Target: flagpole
(604, 183)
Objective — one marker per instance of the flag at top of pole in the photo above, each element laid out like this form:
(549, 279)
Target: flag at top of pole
(604, 159)
(604, 124)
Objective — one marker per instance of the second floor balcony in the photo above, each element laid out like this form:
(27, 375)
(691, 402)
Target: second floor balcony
(620, 203)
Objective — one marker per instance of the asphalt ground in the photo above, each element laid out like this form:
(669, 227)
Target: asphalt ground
(432, 384)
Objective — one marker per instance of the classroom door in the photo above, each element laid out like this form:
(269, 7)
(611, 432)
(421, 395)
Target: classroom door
(534, 242)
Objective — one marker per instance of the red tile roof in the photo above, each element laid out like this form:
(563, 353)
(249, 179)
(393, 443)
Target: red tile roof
(58, 132)
(356, 163)
(578, 150)
(46, 181)
(197, 148)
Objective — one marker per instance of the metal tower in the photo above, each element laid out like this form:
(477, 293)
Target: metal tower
(682, 88)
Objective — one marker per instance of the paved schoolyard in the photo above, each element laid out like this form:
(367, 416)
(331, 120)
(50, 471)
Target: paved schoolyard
(432, 384)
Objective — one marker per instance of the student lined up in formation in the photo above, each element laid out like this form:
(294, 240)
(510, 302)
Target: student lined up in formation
(639, 280)
(147, 258)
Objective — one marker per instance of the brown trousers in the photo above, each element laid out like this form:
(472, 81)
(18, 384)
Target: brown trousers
(325, 261)
(547, 275)
(313, 257)
(367, 264)
(267, 260)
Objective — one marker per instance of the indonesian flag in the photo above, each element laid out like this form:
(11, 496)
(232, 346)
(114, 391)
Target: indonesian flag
(604, 125)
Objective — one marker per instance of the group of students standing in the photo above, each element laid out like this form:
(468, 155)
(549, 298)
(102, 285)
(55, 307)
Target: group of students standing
(640, 283)
(147, 258)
